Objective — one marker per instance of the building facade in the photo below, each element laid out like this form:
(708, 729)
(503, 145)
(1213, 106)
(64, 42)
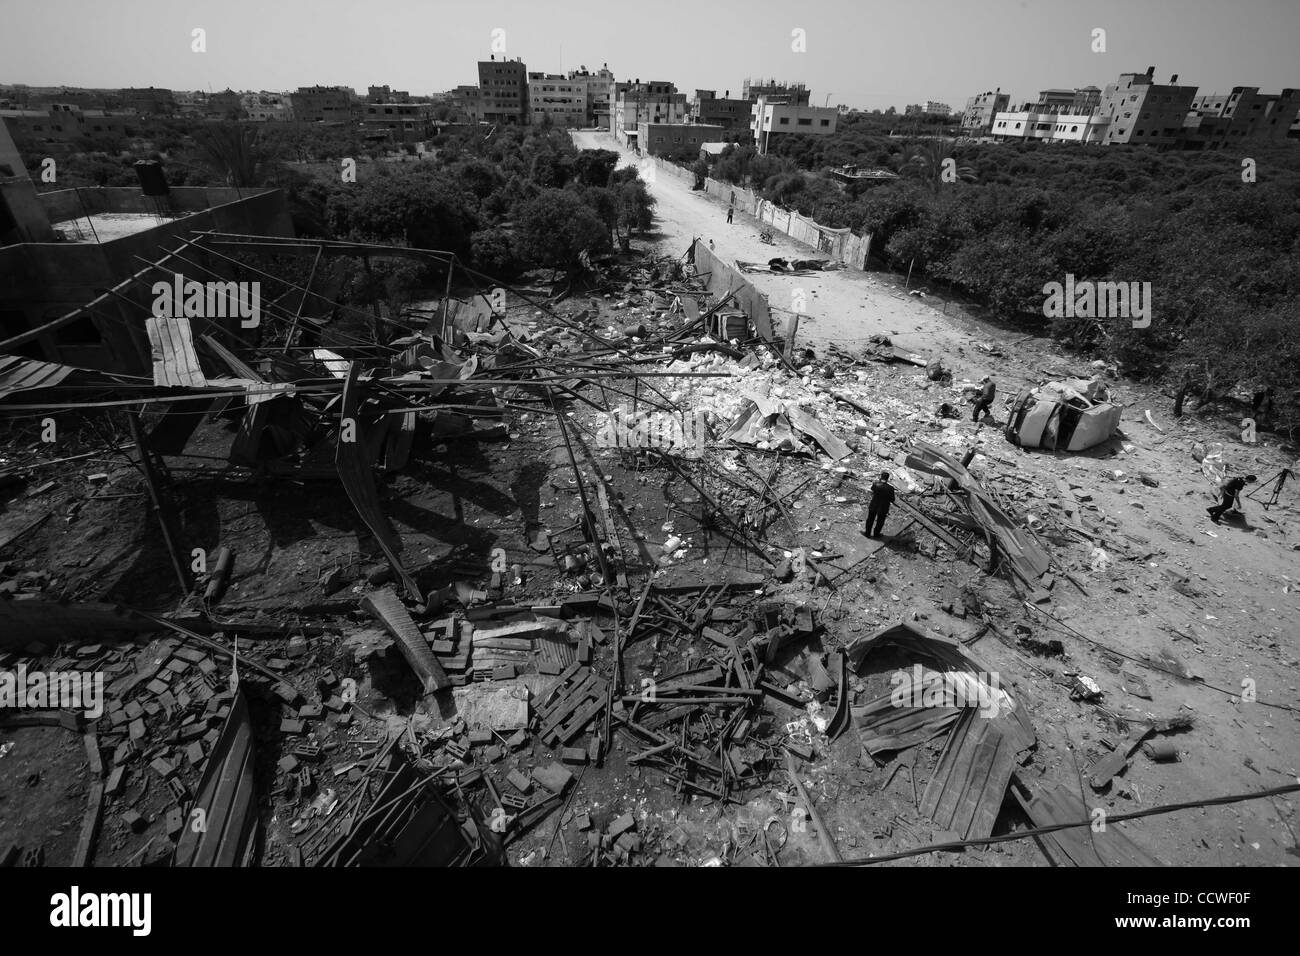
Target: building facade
(322, 104)
(775, 91)
(978, 116)
(1050, 126)
(555, 97)
(595, 86)
(724, 111)
(677, 140)
(655, 101)
(768, 119)
(1144, 112)
(503, 92)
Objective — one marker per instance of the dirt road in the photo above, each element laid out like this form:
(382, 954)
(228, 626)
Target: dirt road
(844, 307)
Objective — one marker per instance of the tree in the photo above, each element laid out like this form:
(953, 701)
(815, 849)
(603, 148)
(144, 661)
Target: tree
(239, 152)
(555, 228)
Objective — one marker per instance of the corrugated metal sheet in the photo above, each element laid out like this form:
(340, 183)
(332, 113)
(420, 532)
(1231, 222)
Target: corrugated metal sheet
(175, 363)
(18, 374)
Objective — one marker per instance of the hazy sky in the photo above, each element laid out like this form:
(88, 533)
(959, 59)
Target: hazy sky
(866, 53)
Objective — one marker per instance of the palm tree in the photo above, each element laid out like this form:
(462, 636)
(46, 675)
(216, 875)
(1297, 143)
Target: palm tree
(930, 161)
(238, 152)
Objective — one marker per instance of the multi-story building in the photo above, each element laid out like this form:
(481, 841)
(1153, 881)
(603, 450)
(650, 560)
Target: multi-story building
(978, 115)
(382, 94)
(1144, 112)
(709, 108)
(322, 104)
(775, 92)
(225, 105)
(62, 123)
(677, 140)
(654, 101)
(935, 108)
(595, 88)
(266, 107)
(1246, 113)
(149, 100)
(190, 102)
(767, 118)
(555, 96)
(503, 91)
(1049, 125)
(404, 122)
(463, 100)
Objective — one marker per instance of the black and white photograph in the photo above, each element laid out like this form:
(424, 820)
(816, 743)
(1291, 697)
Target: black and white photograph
(832, 436)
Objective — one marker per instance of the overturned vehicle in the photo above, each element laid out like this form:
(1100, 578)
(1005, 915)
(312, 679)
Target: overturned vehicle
(1070, 415)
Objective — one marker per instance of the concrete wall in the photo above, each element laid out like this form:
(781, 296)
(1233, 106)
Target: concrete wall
(722, 278)
(46, 280)
(840, 245)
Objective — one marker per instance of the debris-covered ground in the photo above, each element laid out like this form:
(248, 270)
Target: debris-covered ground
(499, 624)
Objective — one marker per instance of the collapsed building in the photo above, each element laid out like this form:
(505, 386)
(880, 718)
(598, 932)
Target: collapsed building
(355, 696)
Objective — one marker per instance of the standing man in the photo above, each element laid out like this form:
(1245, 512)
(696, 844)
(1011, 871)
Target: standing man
(731, 211)
(882, 496)
(985, 400)
(1230, 490)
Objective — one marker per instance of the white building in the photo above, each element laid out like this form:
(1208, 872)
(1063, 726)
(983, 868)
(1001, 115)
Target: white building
(1050, 126)
(556, 96)
(768, 118)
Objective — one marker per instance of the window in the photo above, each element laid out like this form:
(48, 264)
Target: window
(785, 121)
(803, 121)
(1074, 129)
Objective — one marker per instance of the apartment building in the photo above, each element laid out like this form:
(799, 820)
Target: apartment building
(768, 119)
(654, 101)
(724, 111)
(935, 108)
(1142, 111)
(266, 107)
(1246, 113)
(503, 91)
(464, 101)
(404, 122)
(148, 101)
(384, 94)
(1051, 126)
(225, 105)
(555, 96)
(775, 91)
(61, 123)
(322, 104)
(595, 86)
(980, 109)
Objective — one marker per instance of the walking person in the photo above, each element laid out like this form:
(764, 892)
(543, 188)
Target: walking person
(985, 400)
(731, 211)
(1231, 490)
(882, 497)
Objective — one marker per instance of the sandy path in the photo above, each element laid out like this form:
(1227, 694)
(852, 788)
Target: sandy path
(845, 307)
